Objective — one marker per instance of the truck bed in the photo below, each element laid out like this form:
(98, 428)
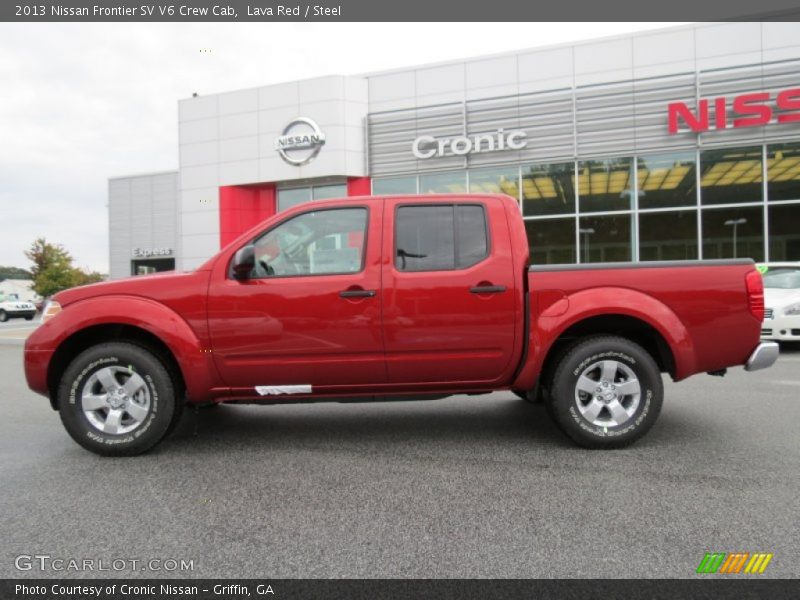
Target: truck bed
(700, 307)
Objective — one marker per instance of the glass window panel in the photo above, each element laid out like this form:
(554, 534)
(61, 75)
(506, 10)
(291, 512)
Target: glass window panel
(782, 278)
(425, 238)
(495, 181)
(336, 190)
(605, 184)
(292, 197)
(313, 243)
(395, 185)
(605, 239)
(471, 243)
(668, 235)
(667, 180)
(453, 182)
(722, 227)
(784, 232)
(731, 175)
(548, 189)
(552, 241)
(783, 171)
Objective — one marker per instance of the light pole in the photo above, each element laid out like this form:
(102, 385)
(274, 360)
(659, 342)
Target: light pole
(586, 233)
(735, 224)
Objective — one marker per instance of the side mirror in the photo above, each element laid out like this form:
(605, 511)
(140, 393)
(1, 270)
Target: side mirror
(243, 262)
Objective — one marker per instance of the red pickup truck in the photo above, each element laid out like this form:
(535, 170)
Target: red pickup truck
(381, 298)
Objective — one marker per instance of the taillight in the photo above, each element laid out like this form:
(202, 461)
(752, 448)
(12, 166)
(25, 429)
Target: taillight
(755, 294)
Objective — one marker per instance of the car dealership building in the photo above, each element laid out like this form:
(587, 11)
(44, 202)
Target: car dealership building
(672, 144)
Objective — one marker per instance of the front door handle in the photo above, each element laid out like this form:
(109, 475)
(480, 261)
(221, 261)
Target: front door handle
(357, 293)
(488, 289)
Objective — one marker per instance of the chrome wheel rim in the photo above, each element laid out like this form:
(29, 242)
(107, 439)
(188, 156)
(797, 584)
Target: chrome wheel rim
(115, 400)
(608, 393)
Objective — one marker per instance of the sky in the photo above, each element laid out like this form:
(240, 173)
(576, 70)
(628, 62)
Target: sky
(83, 102)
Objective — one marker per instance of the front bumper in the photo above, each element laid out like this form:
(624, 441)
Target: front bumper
(781, 329)
(764, 356)
(19, 313)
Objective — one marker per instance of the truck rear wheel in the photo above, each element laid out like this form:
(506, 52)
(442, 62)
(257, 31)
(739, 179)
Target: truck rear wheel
(606, 392)
(117, 399)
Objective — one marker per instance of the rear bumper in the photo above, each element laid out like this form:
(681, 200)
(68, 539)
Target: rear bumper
(765, 355)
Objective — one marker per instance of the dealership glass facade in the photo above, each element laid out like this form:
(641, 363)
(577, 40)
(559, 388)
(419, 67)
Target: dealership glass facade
(680, 205)
(288, 197)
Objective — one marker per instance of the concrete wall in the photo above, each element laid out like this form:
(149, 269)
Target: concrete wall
(228, 139)
(642, 55)
(142, 213)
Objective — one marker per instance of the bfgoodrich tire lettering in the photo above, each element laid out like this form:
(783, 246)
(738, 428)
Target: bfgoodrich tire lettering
(607, 392)
(117, 399)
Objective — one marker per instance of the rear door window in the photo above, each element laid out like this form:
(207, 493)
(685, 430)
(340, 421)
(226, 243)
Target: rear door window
(440, 237)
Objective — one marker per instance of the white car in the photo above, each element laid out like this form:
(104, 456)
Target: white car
(781, 302)
(11, 306)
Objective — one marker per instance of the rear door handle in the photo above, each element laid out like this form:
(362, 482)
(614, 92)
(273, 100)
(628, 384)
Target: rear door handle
(488, 289)
(357, 293)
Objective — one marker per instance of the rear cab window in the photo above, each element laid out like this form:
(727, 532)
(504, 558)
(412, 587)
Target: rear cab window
(440, 237)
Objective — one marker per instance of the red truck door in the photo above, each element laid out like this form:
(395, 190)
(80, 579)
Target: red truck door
(449, 290)
(310, 312)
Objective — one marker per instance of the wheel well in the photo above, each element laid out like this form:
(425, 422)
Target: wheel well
(630, 328)
(110, 332)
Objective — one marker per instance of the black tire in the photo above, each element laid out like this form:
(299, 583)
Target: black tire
(622, 418)
(29, 318)
(3, 316)
(125, 360)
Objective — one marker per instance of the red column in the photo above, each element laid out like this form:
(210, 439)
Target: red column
(359, 186)
(242, 207)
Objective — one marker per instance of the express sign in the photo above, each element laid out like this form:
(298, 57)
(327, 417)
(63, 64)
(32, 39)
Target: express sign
(749, 110)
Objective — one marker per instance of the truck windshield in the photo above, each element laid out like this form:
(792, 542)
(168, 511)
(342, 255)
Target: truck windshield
(783, 278)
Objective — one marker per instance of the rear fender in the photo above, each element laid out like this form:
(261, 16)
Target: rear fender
(556, 317)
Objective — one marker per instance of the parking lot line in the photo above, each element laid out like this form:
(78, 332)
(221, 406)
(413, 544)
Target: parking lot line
(15, 334)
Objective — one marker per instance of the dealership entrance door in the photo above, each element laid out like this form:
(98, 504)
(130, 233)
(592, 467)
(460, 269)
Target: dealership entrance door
(145, 266)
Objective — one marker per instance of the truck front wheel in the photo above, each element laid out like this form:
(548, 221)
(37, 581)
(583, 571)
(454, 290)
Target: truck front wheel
(606, 392)
(117, 399)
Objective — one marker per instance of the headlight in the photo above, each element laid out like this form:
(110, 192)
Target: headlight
(51, 309)
(792, 310)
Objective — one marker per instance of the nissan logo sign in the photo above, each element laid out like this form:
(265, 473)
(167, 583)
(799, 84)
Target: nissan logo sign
(427, 146)
(301, 141)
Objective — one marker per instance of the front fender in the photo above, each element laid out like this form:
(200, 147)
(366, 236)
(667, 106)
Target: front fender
(556, 317)
(191, 351)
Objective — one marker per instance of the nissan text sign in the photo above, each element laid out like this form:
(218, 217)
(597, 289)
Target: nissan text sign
(748, 110)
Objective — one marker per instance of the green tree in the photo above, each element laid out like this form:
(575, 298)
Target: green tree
(53, 270)
(87, 277)
(14, 273)
(44, 255)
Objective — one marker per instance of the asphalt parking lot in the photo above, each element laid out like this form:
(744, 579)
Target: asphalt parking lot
(464, 487)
